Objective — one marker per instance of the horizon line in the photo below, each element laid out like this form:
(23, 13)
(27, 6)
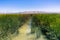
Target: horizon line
(26, 12)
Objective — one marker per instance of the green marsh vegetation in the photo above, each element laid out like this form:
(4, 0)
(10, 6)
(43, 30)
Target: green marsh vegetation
(48, 24)
(9, 24)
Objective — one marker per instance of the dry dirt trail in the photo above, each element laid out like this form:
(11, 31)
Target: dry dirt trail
(24, 31)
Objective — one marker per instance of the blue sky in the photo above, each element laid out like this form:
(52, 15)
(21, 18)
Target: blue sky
(29, 5)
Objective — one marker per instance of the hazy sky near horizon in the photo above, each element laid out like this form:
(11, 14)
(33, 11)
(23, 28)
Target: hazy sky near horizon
(29, 5)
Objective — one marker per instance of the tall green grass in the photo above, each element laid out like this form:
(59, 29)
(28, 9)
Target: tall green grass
(48, 22)
(9, 24)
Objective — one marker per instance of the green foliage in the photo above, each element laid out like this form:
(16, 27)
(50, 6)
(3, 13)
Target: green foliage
(49, 23)
(9, 24)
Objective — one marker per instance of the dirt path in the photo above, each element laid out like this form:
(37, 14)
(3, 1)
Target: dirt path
(24, 31)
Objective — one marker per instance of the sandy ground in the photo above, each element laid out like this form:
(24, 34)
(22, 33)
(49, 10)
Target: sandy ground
(23, 31)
